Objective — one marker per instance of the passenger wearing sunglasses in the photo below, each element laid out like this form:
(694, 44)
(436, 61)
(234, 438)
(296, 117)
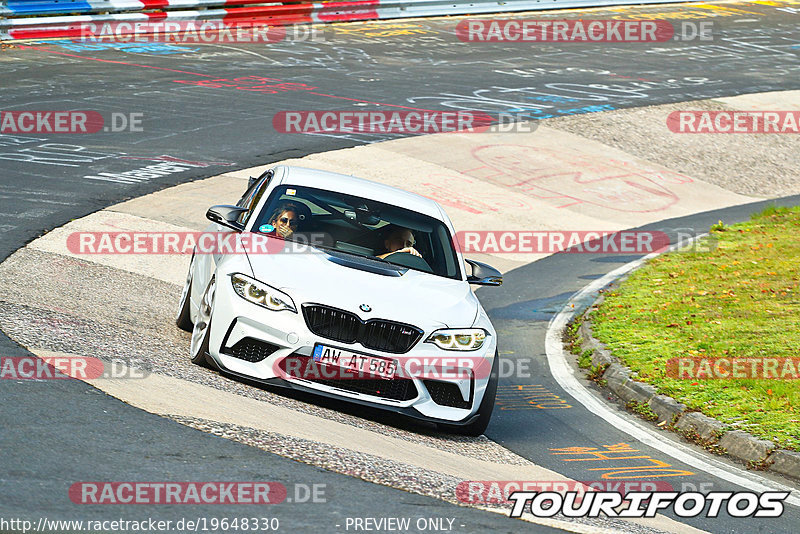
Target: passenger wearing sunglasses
(285, 219)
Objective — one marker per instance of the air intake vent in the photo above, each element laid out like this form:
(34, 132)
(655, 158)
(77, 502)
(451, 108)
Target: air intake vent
(447, 394)
(249, 349)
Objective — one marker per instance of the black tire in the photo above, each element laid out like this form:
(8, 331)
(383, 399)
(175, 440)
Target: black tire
(184, 318)
(478, 427)
(200, 358)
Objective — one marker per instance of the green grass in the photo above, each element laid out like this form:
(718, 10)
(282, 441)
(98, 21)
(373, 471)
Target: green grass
(741, 299)
(643, 410)
(572, 342)
(585, 359)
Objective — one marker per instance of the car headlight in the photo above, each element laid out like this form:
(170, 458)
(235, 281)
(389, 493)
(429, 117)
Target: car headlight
(458, 338)
(261, 294)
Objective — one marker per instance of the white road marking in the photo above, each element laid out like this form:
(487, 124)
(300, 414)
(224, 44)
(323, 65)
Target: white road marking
(565, 376)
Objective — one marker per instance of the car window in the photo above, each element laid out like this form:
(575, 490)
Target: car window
(361, 227)
(253, 195)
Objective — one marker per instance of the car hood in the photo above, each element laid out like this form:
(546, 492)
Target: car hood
(420, 299)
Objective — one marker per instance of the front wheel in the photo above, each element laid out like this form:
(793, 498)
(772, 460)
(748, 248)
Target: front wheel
(478, 427)
(201, 332)
(184, 317)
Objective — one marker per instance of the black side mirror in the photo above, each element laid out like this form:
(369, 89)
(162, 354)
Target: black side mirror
(226, 216)
(484, 275)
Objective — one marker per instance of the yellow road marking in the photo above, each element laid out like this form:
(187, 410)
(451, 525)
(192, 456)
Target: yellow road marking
(646, 467)
(528, 397)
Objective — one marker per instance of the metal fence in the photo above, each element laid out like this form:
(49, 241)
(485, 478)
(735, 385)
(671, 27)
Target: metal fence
(37, 19)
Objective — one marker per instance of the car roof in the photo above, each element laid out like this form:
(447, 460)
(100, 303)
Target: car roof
(350, 185)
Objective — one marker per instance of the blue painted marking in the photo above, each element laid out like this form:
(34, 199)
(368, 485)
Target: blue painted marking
(553, 98)
(167, 49)
(26, 7)
(135, 48)
(586, 109)
(548, 113)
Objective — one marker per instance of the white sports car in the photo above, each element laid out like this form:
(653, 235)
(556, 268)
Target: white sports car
(353, 290)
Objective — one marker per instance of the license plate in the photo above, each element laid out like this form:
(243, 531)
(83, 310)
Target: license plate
(358, 365)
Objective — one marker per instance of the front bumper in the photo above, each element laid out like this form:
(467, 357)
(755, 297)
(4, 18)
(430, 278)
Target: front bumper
(284, 335)
(409, 412)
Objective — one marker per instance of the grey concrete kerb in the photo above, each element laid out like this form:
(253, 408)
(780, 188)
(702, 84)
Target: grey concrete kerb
(672, 415)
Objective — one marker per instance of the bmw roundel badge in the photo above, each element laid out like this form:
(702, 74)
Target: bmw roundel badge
(365, 308)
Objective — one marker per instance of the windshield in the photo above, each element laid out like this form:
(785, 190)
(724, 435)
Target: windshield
(359, 227)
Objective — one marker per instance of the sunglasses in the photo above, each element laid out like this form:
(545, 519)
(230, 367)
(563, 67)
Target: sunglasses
(287, 220)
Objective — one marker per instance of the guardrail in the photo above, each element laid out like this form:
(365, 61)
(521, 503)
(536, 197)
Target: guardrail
(45, 19)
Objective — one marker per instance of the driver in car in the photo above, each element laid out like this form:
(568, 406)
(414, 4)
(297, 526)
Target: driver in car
(285, 219)
(399, 239)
